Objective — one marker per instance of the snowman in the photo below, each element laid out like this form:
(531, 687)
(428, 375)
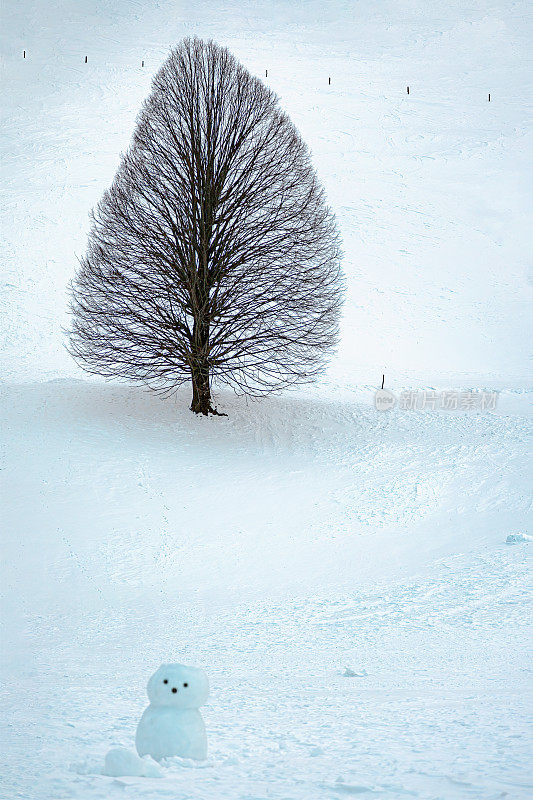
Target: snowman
(172, 724)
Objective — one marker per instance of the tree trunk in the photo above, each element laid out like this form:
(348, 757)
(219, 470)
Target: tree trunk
(201, 393)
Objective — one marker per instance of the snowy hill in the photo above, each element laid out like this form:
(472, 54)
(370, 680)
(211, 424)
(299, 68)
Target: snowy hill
(341, 574)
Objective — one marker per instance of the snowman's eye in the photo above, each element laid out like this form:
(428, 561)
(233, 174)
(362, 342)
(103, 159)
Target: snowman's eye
(185, 685)
(165, 681)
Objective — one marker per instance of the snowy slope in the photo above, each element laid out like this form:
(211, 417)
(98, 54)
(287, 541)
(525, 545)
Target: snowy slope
(275, 548)
(306, 533)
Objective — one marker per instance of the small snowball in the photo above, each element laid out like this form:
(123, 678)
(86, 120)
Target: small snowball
(120, 762)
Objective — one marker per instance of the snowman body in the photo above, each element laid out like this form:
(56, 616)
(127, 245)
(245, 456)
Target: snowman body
(172, 724)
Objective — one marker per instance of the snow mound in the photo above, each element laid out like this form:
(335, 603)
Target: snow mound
(518, 538)
(120, 762)
(350, 673)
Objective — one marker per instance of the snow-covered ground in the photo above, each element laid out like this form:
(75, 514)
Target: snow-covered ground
(342, 574)
(276, 547)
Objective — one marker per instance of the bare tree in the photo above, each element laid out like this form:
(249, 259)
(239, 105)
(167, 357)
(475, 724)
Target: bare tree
(213, 256)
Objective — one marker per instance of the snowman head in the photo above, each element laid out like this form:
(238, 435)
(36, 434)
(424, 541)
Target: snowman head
(178, 686)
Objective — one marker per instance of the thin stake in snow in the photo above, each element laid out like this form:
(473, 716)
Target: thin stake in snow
(142, 63)
(85, 59)
(383, 382)
(489, 97)
(407, 90)
(329, 81)
(25, 56)
(266, 73)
